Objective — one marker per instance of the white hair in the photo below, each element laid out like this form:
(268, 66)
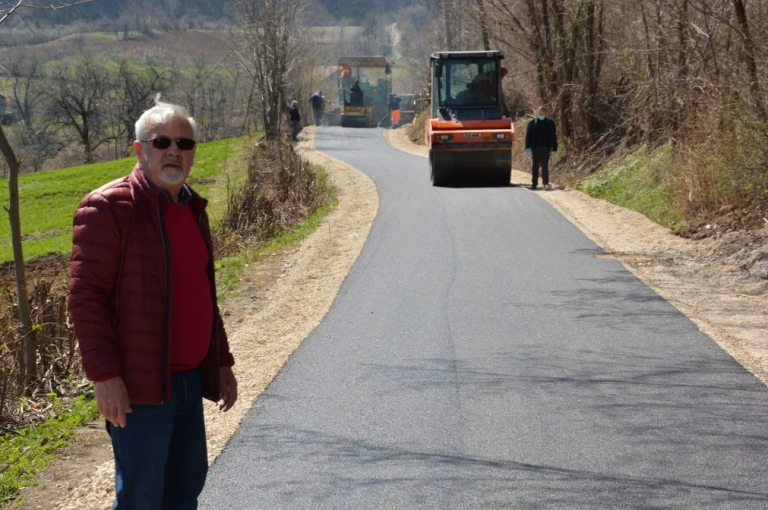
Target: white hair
(163, 113)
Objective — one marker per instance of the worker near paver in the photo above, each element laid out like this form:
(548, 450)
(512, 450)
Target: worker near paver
(316, 101)
(295, 115)
(143, 303)
(540, 142)
(356, 94)
(394, 110)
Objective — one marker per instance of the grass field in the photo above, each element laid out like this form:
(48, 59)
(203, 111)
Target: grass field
(49, 199)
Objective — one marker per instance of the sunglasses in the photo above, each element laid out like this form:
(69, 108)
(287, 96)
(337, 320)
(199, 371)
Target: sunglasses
(163, 142)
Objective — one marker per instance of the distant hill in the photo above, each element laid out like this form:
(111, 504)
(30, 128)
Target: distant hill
(112, 9)
(325, 10)
(356, 10)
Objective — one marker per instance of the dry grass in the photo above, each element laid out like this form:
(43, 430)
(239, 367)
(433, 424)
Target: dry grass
(416, 130)
(59, 370)
(281, 189)
(722, 178)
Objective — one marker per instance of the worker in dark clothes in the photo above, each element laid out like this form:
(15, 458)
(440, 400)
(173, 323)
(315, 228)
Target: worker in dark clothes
(356, 94)
(393, 103)
(295, 115)
(541, 142)
(317, 106)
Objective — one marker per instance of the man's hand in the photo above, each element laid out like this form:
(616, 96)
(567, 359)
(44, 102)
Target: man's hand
(227, 388)
(112, 401)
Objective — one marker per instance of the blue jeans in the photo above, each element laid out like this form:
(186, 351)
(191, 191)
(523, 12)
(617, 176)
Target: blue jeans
(161, 458)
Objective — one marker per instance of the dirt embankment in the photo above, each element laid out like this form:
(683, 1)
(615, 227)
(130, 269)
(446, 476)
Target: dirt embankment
(720, 283)
(280, 300)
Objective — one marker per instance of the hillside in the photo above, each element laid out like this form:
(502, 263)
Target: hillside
(322, 10)
(48, 199)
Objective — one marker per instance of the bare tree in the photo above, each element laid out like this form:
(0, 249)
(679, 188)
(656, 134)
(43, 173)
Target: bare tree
(77, 98)
(135, 88)
(483, 19)
(36, 145)
(448, 23)
(25, 74)
(750, 59)
(272, 46)
(36, 140)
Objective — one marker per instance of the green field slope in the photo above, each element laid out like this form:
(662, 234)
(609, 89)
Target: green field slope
(49, 199)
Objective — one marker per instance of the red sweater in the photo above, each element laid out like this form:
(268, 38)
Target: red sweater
(191, 318)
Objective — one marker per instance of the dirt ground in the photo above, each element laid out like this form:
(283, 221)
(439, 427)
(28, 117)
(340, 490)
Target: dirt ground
(280, 300)
(720, 283)
(53, 268)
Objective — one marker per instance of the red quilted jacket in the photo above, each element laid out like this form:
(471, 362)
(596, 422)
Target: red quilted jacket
(119, 294)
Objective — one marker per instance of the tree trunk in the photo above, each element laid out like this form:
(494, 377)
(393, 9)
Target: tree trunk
(750, 60)
(649, 58)
(447, 20)
(682, 35)
(484, 25)
(30, 341)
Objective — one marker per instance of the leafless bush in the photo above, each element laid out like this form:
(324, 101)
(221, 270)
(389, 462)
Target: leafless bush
(281, 189)
(58, 360)
(723, 170)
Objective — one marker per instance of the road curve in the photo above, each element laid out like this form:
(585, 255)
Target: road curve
(480, 356)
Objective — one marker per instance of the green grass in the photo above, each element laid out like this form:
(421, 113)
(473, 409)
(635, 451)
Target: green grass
(48, 199)
(229, 270)
(232, 173)
(29, 451)
(638, 182)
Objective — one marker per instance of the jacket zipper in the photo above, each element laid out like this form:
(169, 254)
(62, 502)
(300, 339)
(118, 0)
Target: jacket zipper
(166, 299)
(211, 283)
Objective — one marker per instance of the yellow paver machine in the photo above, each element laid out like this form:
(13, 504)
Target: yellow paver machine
(364, 84)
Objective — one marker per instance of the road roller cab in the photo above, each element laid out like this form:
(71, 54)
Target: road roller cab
(469, 138)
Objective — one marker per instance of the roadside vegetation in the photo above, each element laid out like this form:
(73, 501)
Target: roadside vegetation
(416, 130)
(639, 181)
(282, 200)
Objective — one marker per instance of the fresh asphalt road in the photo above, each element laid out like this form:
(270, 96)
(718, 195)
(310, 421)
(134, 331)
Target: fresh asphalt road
(479, 356)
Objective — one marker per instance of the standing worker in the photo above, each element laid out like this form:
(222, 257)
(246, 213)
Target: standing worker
(541, 142)
(394, 110)
(317, 106)
(142, 297)
(356, 94)
(295, 115)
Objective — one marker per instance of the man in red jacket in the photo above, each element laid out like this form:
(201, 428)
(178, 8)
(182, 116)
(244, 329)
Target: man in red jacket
(143, 302)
